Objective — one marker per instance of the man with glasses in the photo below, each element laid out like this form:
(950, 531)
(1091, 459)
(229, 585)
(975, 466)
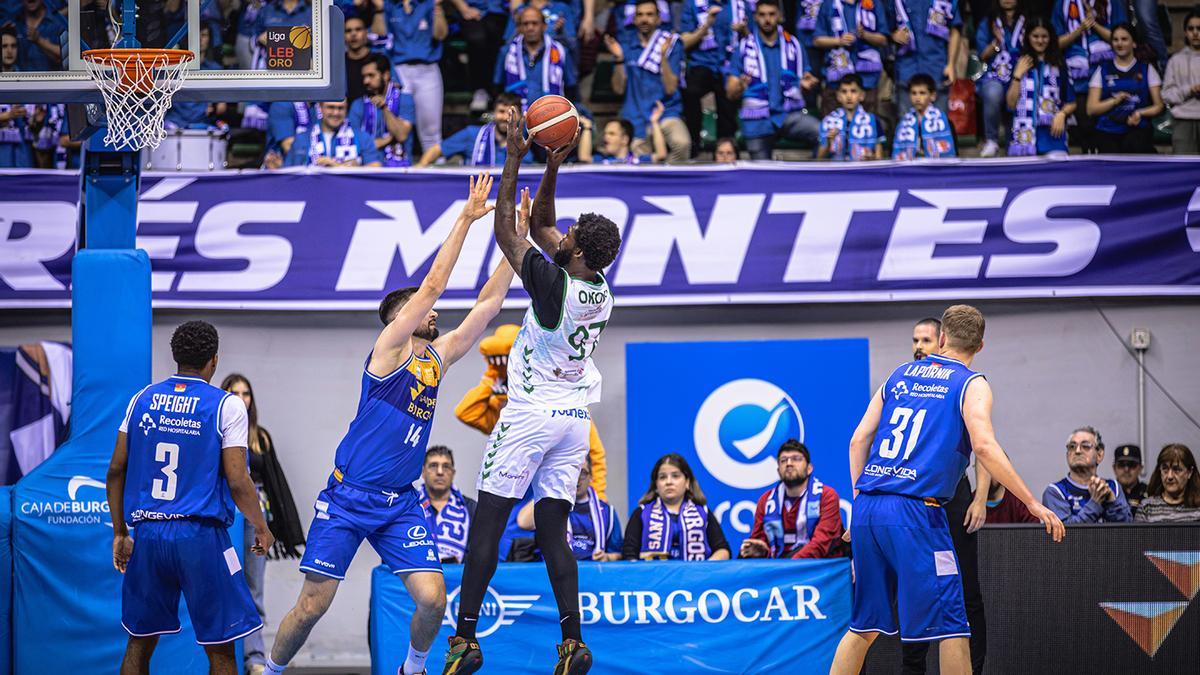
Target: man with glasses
(1127, 467)
(1083, 496)
(799, 517)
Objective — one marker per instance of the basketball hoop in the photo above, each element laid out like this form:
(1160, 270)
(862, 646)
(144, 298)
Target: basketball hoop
(137, 85)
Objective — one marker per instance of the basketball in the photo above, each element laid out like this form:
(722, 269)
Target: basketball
(552, 121)
(300, 37)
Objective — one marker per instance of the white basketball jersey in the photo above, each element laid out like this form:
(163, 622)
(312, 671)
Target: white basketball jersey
(553, 367)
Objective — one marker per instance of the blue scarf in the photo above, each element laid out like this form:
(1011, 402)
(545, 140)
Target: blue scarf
(709, 41)
(451, 525)
(929, 135)
(1000, 68)
(756, 104)
(808, 514)
(809, 11)
(656, 531)
(374, 125)
(1094, 50)
(856, 143)
(651, 57)
(15, 130)
(600, 522)
(1036, 107)
(344, 148)
(484, 151)
(515, 78)
(867, 60)
(301, 113)
(937, 23)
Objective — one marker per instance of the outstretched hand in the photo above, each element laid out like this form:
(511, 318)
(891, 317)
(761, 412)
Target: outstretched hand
(477, 206)
(518, 142)
(556, 156)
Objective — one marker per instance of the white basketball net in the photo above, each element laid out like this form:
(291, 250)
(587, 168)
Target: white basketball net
(137, 88)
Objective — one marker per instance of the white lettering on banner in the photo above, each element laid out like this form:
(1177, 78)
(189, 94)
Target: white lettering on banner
(50, 235)
(919, 230)
(713, 605)
(712, 255)
(741, 514)
(267, 256)
(820, 236)
(1027, 221)
(1193, 233)
(162, 247)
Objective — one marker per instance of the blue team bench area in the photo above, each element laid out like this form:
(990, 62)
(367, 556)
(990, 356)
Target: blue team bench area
(640, 617)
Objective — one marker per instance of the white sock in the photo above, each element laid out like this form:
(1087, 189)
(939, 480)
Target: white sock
(415, 662)
(274, 668)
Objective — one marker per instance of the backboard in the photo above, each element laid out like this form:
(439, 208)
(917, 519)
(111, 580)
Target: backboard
(252, 50)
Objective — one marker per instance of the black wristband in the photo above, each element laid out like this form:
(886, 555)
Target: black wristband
(619, 62)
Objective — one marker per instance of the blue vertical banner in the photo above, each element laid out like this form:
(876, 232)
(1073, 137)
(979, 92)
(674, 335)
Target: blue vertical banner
(726, 407)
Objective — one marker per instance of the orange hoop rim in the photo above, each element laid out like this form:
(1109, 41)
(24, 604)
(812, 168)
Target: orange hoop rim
(152, 57)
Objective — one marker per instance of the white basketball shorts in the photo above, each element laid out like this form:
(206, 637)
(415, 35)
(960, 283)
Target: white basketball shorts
(544, 447)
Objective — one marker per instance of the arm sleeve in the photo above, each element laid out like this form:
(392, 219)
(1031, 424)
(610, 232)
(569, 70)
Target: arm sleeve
(1118, 511)
(760, 510)
(824, 24)
(1175, 90)
(615, 541)
(407, 108)
(599, 463)
(828, 530)
(734, 66)
(1152, 78)
(1054, 501)
(688, 21)
(479, 408)
(632, 547)
(956, 21)
(716, 536)
(1059, 21)
(234, 423)
(983, 36)
(1097, 81)
(1068, 91)
(675, 57)
(546, 284)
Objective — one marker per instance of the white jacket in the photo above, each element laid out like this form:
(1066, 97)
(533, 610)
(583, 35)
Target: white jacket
(1183, 73)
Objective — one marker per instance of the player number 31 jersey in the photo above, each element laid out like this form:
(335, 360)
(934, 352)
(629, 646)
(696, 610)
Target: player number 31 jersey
(551, 360)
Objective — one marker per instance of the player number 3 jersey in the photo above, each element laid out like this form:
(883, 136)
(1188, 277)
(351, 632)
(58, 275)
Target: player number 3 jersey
(922, 447)
(550, 363)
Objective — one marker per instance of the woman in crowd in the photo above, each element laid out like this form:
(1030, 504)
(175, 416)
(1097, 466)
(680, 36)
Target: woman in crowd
(1174, 493)
(1040, 95)
(1000, 36)
(671, 521)
(275, 497)
(1124, 95)
(1084, 29)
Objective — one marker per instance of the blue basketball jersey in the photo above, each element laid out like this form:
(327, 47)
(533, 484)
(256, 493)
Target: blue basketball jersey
(922, 447)
(174, 440)
(385, 445)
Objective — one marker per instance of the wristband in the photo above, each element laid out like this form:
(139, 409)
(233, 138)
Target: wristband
(619, 62)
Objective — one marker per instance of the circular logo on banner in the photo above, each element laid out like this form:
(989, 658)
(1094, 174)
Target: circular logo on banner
(739, 427)
(497, 610)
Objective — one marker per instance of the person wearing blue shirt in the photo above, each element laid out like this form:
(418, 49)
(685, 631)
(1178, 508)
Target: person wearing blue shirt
(648, 64)
(707, 33)
(16, 150)
(196, 114)
(853, 36)
(1040, 95)
(333, 142)
(927, 36)
(483, 28)
(1084, 28)
(907, 457)
(561, 23)
(385, 114)
(624, 11)
(593, 528)
(480, 145)
(850, 133)
(998, 38)
(244, 44)
(417, 28)
(532, 64)
(39, 34)
(285, 120)
(1083, 496)
(618, 135)
(769, 71)
(1123, 96)
(177, 472)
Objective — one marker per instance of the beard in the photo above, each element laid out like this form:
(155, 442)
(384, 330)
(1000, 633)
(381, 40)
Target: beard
(795, 481)
(918, 355)
(426, 332)
(562, 257)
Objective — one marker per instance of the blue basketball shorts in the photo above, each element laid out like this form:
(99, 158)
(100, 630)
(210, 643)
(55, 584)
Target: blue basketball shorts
(195, 558)
(394, 523)
(903, 554)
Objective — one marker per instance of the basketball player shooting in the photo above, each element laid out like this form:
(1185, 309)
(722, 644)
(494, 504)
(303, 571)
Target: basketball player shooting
(906, 456)
(541, 438)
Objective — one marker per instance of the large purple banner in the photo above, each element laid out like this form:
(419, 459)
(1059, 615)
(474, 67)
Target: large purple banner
(748, 234)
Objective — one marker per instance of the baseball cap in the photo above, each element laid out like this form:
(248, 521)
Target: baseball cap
(1128, 453)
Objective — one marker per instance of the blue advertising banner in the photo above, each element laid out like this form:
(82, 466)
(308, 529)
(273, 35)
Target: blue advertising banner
(752, 233)
(711, 617)
(727, 406)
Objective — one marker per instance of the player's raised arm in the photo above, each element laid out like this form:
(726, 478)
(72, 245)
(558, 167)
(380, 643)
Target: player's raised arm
(864, 435)
(395, 336)
(508, 238)
(977, 414)
(544, 224)
(457, 342)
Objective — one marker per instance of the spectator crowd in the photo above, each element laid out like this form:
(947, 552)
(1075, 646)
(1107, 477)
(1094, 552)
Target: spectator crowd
(838, 80)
